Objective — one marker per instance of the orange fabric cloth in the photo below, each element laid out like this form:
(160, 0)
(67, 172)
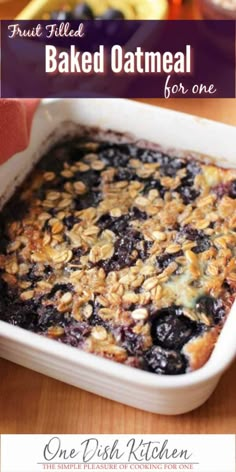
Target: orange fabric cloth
(15, 125)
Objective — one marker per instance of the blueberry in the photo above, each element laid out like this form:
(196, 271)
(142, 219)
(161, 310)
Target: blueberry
(125, 174)
(170, 166)
(188, 194)
(60, 287)
(77, 253)
(70, 221)
(191, 233)
(193, 169)
(117, 155)
(61, 15)
(112, 14)
(165, 362)
(32, 275)
(75, 334)
(82, 11)
(212, 307)
(48, 270)
(49, 316)
(148, 156)
(202, 241)
(171, 329)
(165, 259)
(143, 248)
(95, 319)
(203, 244)
(155, 184)
(232, 190)
(7, 295)
(123, 256)
(91, 178)
(138, 214)
(90, 199)
(129, 340)
(117, 225)
(21, 314)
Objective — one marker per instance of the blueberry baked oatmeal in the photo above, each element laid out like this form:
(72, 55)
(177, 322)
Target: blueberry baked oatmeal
(122, 250)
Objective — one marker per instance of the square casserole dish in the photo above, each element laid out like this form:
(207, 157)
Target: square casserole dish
(134, 387)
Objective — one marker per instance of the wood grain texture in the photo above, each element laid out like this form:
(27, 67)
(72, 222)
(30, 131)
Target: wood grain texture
(33, 403)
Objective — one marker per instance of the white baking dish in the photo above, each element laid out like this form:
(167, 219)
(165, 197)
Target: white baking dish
(160, 394)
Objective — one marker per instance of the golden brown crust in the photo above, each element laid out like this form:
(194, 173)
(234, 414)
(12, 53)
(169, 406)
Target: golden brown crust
(199, 349)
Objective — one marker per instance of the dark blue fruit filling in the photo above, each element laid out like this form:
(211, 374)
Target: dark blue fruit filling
(34, 276)
(211, 307)
(126, 251)
(186, 189)
(90, 199)
(199, 237)
(14, 311)
(49, 316)
(155, 184)
(116, 225)
(130, 341)
(228, 188)
(171, 329)
(70, 221)
(75, 334)
(165, 259)
(83, 11)
(165, 362)
(119, 225)
(232, 189)
(112, 14)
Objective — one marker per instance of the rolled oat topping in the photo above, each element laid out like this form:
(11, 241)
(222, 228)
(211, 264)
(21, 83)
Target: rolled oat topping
(123, 251)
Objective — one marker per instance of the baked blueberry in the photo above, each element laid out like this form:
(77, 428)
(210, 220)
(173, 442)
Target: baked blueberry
(232, 189)
(165, 259)
(123, 252)
(165, 362)
(156, 185)
(211, 307)
(132, 342)
(61, 15)
(75, 333)
(188, 194)
(118, 225)
(112, 14)
(70, 221)
(170, 328)
(82, 11)
(48, 316)
(202, 240)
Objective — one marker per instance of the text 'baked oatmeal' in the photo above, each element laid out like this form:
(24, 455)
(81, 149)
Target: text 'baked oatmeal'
(123, 251)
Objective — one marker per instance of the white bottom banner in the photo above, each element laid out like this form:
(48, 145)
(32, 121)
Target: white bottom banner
(130, 453)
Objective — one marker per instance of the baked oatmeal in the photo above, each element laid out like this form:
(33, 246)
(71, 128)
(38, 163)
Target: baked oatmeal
(122, 250)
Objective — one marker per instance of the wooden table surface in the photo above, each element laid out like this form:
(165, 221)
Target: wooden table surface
(34, 403)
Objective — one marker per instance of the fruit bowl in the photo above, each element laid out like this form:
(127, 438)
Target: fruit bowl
(130, 9)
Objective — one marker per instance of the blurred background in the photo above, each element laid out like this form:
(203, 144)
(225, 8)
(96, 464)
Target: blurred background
(118, 9)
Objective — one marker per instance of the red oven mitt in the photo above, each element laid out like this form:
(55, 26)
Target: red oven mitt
(15, 125)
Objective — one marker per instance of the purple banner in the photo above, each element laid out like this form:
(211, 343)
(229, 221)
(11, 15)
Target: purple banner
(119, 58)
